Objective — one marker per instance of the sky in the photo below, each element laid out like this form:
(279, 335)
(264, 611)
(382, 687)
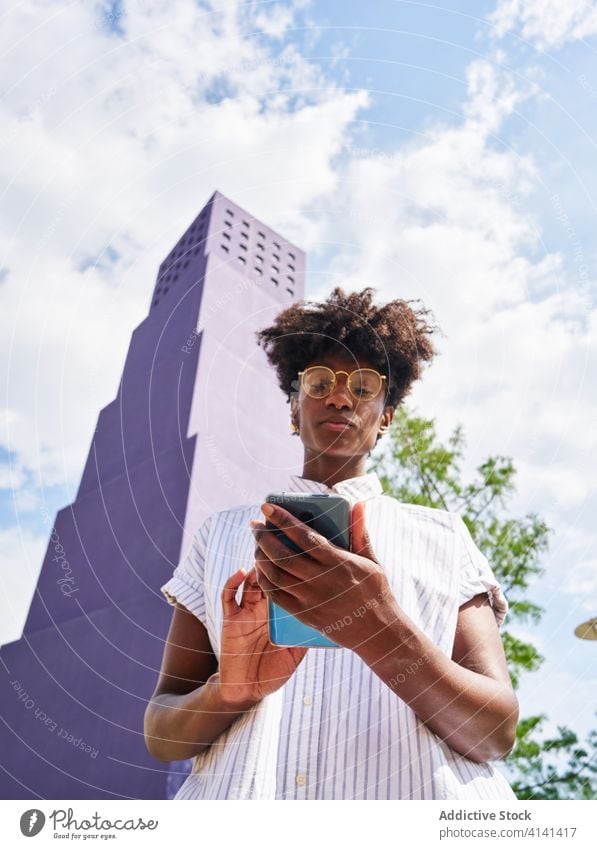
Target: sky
(442, 152)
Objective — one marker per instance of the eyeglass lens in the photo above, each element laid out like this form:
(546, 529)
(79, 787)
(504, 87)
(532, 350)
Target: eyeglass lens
(362, 383)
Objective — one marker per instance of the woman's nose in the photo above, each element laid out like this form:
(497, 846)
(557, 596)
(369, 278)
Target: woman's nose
(340, 394)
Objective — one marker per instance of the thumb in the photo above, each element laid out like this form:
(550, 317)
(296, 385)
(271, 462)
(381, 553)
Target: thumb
(361, 543)
(229, 590)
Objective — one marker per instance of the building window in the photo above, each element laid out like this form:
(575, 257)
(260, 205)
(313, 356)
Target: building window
(186, 263)
(166, 289)
(260, 246)
(244, 235)
(241, 259)
(258, 258)
(288, 277)
(230, 213)
(275, 268)
(275, 256)
(276, 245)
(291, 267)
(273, 279)
(258, 270)
(245, 223)
(260, 234)
(228, 223)
(225, 248)
(292, 256)
(290, 291)
(155, 303)
(226, 236)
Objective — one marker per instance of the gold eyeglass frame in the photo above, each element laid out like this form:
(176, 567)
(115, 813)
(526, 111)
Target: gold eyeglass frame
(382, 377)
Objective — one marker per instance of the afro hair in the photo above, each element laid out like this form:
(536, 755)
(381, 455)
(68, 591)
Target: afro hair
(395, 338)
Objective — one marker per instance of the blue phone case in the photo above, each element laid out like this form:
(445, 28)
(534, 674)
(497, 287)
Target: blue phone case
(329, 515)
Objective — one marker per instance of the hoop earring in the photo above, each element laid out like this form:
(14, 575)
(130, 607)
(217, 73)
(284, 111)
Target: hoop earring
(384, 429)
(293, 427)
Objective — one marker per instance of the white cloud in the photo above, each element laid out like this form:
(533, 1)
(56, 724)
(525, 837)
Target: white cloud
(11, 476)
(581, 583)
(564, 692)
(21, 555)
(546, 23)
(275, 22)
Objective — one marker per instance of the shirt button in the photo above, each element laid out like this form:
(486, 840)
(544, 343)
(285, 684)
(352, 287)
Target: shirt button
(301, 779)
(307, 700)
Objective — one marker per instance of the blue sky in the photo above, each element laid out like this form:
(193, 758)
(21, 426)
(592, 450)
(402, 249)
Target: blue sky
(443, 151)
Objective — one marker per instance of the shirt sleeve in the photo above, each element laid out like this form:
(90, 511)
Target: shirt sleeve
(476, 575)
(186, 585)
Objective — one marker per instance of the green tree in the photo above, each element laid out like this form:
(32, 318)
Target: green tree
(418, 468)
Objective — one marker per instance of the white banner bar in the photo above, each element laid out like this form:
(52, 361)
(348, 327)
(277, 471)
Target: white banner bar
(299, 825)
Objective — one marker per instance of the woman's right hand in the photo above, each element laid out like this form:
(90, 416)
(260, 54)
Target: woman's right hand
(250, 666)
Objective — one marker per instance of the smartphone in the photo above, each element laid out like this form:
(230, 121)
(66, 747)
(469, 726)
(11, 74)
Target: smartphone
(329, 515)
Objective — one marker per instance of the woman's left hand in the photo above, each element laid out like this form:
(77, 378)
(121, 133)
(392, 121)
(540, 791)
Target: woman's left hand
(343, 594)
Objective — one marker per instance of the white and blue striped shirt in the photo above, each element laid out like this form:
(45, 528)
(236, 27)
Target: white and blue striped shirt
(335, 730)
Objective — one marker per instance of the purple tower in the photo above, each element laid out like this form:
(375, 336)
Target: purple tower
(184, 437)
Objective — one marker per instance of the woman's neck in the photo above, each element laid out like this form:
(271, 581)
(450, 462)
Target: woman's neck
(324, 470)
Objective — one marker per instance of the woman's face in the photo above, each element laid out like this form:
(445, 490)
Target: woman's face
(363, 418)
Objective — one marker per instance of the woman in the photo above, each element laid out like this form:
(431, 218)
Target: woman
(417, 699)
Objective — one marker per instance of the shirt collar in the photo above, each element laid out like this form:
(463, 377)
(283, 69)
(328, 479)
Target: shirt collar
(355, 489)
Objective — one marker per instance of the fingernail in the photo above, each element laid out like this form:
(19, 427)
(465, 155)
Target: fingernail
(267, 509)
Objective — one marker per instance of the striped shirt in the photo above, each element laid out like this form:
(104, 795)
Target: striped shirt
(335, 730)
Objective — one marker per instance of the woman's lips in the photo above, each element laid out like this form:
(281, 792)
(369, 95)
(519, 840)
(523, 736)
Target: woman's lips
(336, 426)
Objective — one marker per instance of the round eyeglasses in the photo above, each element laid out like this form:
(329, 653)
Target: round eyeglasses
(364, 384)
